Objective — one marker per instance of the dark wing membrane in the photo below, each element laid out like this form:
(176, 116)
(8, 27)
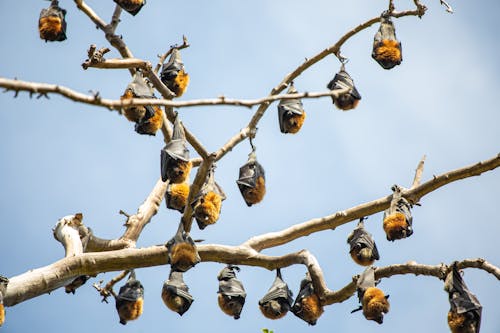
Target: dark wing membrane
(130, 294)
(232, 287)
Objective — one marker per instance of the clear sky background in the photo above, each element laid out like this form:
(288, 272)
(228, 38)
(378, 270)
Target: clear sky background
(59, 157)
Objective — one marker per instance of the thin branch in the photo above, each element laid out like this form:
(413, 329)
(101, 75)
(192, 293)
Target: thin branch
(418, 173)
(115, 19)
(448, 7)
(108, 288)
(117, 63)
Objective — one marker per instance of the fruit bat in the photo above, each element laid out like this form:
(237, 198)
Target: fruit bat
(232, 295)
(397, 218)
(131, 6)
(363, 249)
(3, 288)
(307, 305)
(173, 74)
(182, 252)
(176, 196)
(174, 158)
(291, 114)
(76, 283)
(373, 301)
(465, 310)
(52, 23)
(207, 203)
(175, 293)
(151, 125)
(138, 88)
(130, 299)
(386, 48)
(252, 181)
(278, 300)
(343, 80)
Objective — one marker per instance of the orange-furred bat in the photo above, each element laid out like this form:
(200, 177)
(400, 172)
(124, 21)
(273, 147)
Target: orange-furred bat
(176, 196)
(174, 158)
(252, 181)
(52, 23)
(363, 249)
(182, 252)
(350, 99)
(291, 114)
(175, 293)
(386, 48)
(150, 126)
(373, 301)
(131, 6)
(307, 305)
(207, 203)
(397, 218)
(3, 288)
(130, 299)
(173, 74)
(278, 300)
(231, 294)
(138, 88)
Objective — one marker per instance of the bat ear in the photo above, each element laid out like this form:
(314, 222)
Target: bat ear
(387, 296)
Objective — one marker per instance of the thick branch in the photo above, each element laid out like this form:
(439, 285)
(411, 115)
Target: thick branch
(66, 232)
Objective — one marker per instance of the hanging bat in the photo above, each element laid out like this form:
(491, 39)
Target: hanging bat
(52, 23)
(173, 74)
(397, 218)
(291, 114)
(465, 310)
(76, 283)
(182, 252)
(207, 203)
(373, 301)
(174, 158)
(232, 295)
(351, 98)
(176, 196)
(278, 300)
(386, 48)
(307, 305)
(3, 288)
(138, 88)
(131, 6)
(252, 181)
(130, 299)
(175, 293)
(363, 249)
(151, 125)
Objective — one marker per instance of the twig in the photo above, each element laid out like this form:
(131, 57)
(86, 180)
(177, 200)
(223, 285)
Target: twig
(448, 7)
(162, 58)
(418, 173)
(115, 19)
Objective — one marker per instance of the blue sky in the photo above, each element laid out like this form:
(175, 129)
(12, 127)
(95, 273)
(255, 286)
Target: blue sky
(59, 157)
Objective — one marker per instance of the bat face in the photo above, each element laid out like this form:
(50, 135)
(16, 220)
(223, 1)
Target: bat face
(349, 100)
(175, 293)
(291, 113)
(363, 249)
(278, 300)
(386, 48)
(131, 6)
(150, 126)
(176, 196)
(173, 74)
(231, 292)
(182, 252)
(307, 305)
(176, 170)
(52, 24)
(130, 300)
(252, 181)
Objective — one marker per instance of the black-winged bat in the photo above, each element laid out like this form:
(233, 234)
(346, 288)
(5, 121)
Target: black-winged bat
(138, 88)
(175, 293)
(231, 292)
(130, 299)
(363, 249)
(386, 48)
(173, 74)
(207, 203)
(348, 100)
(397, 218)
(307, 305)
(373, 301)
(52, 23)
(182, 252)
(174, 158)
(252, 181)
(291, 113)
(278, 300)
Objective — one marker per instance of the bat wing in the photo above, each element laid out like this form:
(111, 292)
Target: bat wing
(172, 66)
(232, 287)
(130, 293)
(461, 299)
(249, 173)
(278, 290)
(360, 238)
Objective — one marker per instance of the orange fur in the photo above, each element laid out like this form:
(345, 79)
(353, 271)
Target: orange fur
(154, 123)
(180, 172)
(346, 103)
(172, 301)
(375, 304)
(311, 309)
(362, 257)
(133, 113)
(394, 225)
(183, 255)
(2, 314)
(178, 196)
(230, 307)
(256, 194)
(49, 27)
(209, 209)
(131, 310)
(459, 323)
(180, 83)
(388, 51)
(272, 310)
(294, 123)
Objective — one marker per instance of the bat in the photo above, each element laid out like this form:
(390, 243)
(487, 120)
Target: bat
(176, 196)
(130, 299)
(307, 305)
(231, 292)
(397, 218)
(291, 114)
(278, 300)
(138, 88)
(76, 283)
(351, 98)
(3, 288)
(151, 125)
(174, 157)
(175, 293)
(52, 23)
(252, 181)
(386, 48)
(373, 301)
(173, 74)
(182, 252)
(465, 310)
(363, 249)
(207, 203)
(131, 6)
